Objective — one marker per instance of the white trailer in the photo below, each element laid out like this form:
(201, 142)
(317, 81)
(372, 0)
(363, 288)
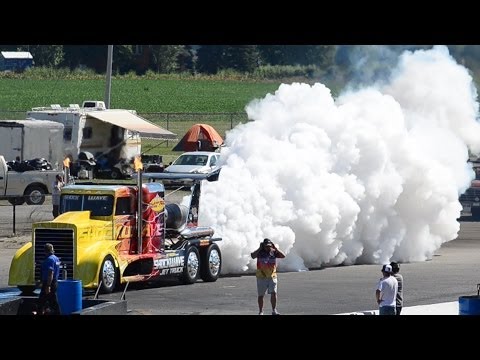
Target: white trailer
(95, 129)
(30, 139)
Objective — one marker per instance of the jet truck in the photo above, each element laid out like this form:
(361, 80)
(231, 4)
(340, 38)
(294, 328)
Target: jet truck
(108, 235)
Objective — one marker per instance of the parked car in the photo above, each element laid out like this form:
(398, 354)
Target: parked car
(197, 162)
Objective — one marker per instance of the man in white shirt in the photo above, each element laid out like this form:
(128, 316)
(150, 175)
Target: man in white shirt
(386, 292)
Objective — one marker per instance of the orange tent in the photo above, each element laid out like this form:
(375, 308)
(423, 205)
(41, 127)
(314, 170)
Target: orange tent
(201, 137)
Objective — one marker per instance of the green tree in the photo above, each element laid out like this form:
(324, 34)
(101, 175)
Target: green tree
(165, 57)
(320, 55)
(244, 58)
(209, 58)
(91, 56)
(467, 55)
(45, 55)
(123, 58)
(187, 59)
(9, 47)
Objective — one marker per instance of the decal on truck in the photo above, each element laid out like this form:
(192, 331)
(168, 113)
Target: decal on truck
(170, 262)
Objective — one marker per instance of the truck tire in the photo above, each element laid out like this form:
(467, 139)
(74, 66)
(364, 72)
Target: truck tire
(108, 275)
(192, 266)
(16, 200)
(210, 263)
(115, 174)
(26, 290)
(35, 195)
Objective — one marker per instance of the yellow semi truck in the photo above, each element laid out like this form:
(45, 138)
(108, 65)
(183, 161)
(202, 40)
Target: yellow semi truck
(107, 235)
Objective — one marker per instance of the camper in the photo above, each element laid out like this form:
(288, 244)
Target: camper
(114, 134)
(29, 139)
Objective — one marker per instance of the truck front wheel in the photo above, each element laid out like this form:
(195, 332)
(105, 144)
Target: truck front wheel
(192, 266)
(35, 195)
(211, 263)
(108, 275)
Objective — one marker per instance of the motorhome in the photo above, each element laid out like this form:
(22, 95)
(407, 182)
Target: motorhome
(92, 128)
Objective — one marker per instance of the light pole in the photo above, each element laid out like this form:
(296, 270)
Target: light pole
(109, 76)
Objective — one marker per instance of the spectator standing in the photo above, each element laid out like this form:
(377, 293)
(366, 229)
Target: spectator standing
(56, 190)
(49, 275)
(386, 292)
(266, 256)
(396, 273)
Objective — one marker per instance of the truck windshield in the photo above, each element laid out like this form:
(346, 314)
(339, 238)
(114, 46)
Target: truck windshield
(99, 205)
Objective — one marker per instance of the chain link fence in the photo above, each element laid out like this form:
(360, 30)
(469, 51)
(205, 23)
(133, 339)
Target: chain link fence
(179, 123)
(17, 220)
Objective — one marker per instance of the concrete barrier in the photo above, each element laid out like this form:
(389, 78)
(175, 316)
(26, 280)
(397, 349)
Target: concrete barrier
(102, 307)
(27, 305)
(448, 308)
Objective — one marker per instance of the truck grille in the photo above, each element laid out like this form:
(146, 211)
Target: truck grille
(470, 195)
(62, 241)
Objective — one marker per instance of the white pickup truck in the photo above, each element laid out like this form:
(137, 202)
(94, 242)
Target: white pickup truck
(28, 186)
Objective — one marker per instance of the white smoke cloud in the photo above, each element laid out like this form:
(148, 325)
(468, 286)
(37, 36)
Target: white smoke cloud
(369, 177)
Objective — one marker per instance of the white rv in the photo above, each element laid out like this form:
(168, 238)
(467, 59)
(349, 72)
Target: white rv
(114, 133)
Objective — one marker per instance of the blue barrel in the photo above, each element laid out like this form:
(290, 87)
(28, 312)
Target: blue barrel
(469, 305)
(69, 294)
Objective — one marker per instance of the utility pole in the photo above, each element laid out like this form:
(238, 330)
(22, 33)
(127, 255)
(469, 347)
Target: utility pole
(109, 76)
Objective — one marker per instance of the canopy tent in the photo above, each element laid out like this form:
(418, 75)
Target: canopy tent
(127, 120)
(199, 137)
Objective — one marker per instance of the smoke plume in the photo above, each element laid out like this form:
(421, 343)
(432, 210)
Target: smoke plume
(369, 177)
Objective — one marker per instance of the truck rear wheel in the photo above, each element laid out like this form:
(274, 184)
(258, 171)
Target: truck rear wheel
(35, 195)
(192, 266)
(108, 275)
(210, 263)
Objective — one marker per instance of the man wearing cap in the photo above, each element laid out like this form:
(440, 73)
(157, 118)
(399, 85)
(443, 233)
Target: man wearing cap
(266, 256)
(386, 292)
(49, 275)
(399, 277)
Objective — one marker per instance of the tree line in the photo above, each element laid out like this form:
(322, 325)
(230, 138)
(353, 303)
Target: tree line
(166, 59)
(334, 60)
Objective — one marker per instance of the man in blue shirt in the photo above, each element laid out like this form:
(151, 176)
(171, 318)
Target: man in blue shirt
(49, 276)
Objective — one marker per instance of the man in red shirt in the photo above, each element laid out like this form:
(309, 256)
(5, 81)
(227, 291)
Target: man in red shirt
(266, 256)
